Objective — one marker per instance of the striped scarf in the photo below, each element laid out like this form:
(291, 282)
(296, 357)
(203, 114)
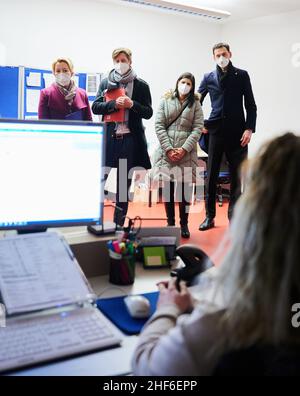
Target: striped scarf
(69, 92)
(116, 80)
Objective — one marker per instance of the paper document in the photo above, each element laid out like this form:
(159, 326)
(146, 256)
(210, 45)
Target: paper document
(49, 79)
(34, 79)
(76, 79)
(32, 100)
(39, 271)
(92, 84)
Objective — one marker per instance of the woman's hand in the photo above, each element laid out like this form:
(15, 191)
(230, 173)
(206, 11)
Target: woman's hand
(170, 295)
(179, 154)
(176, 155)
(171, 154)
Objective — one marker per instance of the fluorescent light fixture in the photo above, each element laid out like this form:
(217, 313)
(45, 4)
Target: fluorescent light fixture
(176, 6)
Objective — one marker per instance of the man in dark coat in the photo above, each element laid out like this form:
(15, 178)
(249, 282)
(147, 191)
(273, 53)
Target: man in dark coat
(125, 141)
(229, 131)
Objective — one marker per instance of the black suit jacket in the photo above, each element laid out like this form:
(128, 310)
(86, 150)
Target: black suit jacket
(142, 108)
(228, 103)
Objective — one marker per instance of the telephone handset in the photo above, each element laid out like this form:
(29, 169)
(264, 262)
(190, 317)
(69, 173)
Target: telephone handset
(196, 261)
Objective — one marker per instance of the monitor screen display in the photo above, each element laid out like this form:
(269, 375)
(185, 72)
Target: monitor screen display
(50, 173)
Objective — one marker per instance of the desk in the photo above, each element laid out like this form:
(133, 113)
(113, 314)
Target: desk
(111, 362)
(91, 250)
(116, 361)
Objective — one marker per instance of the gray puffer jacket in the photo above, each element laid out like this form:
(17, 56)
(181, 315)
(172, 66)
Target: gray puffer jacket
(184, 132)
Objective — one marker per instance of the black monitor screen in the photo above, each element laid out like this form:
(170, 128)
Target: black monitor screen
(50, 173)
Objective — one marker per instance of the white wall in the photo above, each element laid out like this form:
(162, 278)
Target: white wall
(35, 32)
(264, 47)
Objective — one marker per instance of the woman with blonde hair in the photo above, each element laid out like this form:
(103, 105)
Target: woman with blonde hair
(63, 100)
(259, 279)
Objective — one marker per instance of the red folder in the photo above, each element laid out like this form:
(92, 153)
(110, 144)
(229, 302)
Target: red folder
(118, 115)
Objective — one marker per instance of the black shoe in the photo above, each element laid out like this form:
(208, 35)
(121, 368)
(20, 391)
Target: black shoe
(185, 233)
(207, 224)
(170, 223)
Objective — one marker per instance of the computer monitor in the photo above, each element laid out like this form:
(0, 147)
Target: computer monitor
(50, 174)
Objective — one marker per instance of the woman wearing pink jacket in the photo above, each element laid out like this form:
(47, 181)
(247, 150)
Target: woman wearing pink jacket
(63, 100)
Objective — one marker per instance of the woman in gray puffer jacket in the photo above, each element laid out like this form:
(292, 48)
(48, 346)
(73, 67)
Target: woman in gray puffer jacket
(179, 122)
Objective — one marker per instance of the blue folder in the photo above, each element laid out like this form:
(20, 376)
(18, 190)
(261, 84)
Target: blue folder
(115, 309)
(76, 116)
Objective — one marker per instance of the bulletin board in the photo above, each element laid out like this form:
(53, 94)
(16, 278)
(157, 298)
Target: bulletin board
(34, 81)
(20, 89)
(9, 92)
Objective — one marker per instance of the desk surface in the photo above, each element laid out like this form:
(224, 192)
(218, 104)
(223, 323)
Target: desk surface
(73, 235)
(116, 361)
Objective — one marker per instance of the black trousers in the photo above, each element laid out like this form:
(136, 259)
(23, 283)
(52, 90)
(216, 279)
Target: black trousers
(123, 160)
(184, 202)
(235, 155)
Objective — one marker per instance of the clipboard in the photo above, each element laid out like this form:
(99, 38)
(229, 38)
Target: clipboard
(118, 115)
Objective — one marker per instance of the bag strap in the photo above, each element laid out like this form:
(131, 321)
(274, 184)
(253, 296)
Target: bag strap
(178, 115)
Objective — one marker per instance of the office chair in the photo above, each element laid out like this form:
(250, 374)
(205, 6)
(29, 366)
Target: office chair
(260, 361)
(223, 179)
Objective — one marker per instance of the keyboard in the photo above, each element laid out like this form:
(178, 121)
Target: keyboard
(27, 342)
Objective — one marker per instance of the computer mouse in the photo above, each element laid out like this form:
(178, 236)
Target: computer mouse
(137, 306)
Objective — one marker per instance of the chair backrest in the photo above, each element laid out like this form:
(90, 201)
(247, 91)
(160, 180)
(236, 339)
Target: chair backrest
(260, 361)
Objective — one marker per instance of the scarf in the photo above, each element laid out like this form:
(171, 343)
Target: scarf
(68, 92)
(116, 80)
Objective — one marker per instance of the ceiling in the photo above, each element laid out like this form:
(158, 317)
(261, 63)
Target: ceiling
(245, 9)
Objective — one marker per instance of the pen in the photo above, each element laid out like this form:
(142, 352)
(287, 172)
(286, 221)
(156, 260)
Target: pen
(110, 246)
(116, 247)
(122, 247)
(130, 248)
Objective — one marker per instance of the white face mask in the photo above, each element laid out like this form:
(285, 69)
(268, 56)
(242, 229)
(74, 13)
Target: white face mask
(223, 62)
(63, 79)
(122, 68)
(184, 89)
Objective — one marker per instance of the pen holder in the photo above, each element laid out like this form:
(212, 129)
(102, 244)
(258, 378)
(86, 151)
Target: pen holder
(122, 269)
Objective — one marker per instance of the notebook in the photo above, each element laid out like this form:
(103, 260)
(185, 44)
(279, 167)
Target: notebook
(50, 306)
(118, 115)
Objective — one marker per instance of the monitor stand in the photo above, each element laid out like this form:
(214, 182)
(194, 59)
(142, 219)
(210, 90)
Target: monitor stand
(108, 227)
(32, 231)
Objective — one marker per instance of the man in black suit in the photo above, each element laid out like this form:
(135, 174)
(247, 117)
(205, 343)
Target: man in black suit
(125, 141)
(229, 131)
